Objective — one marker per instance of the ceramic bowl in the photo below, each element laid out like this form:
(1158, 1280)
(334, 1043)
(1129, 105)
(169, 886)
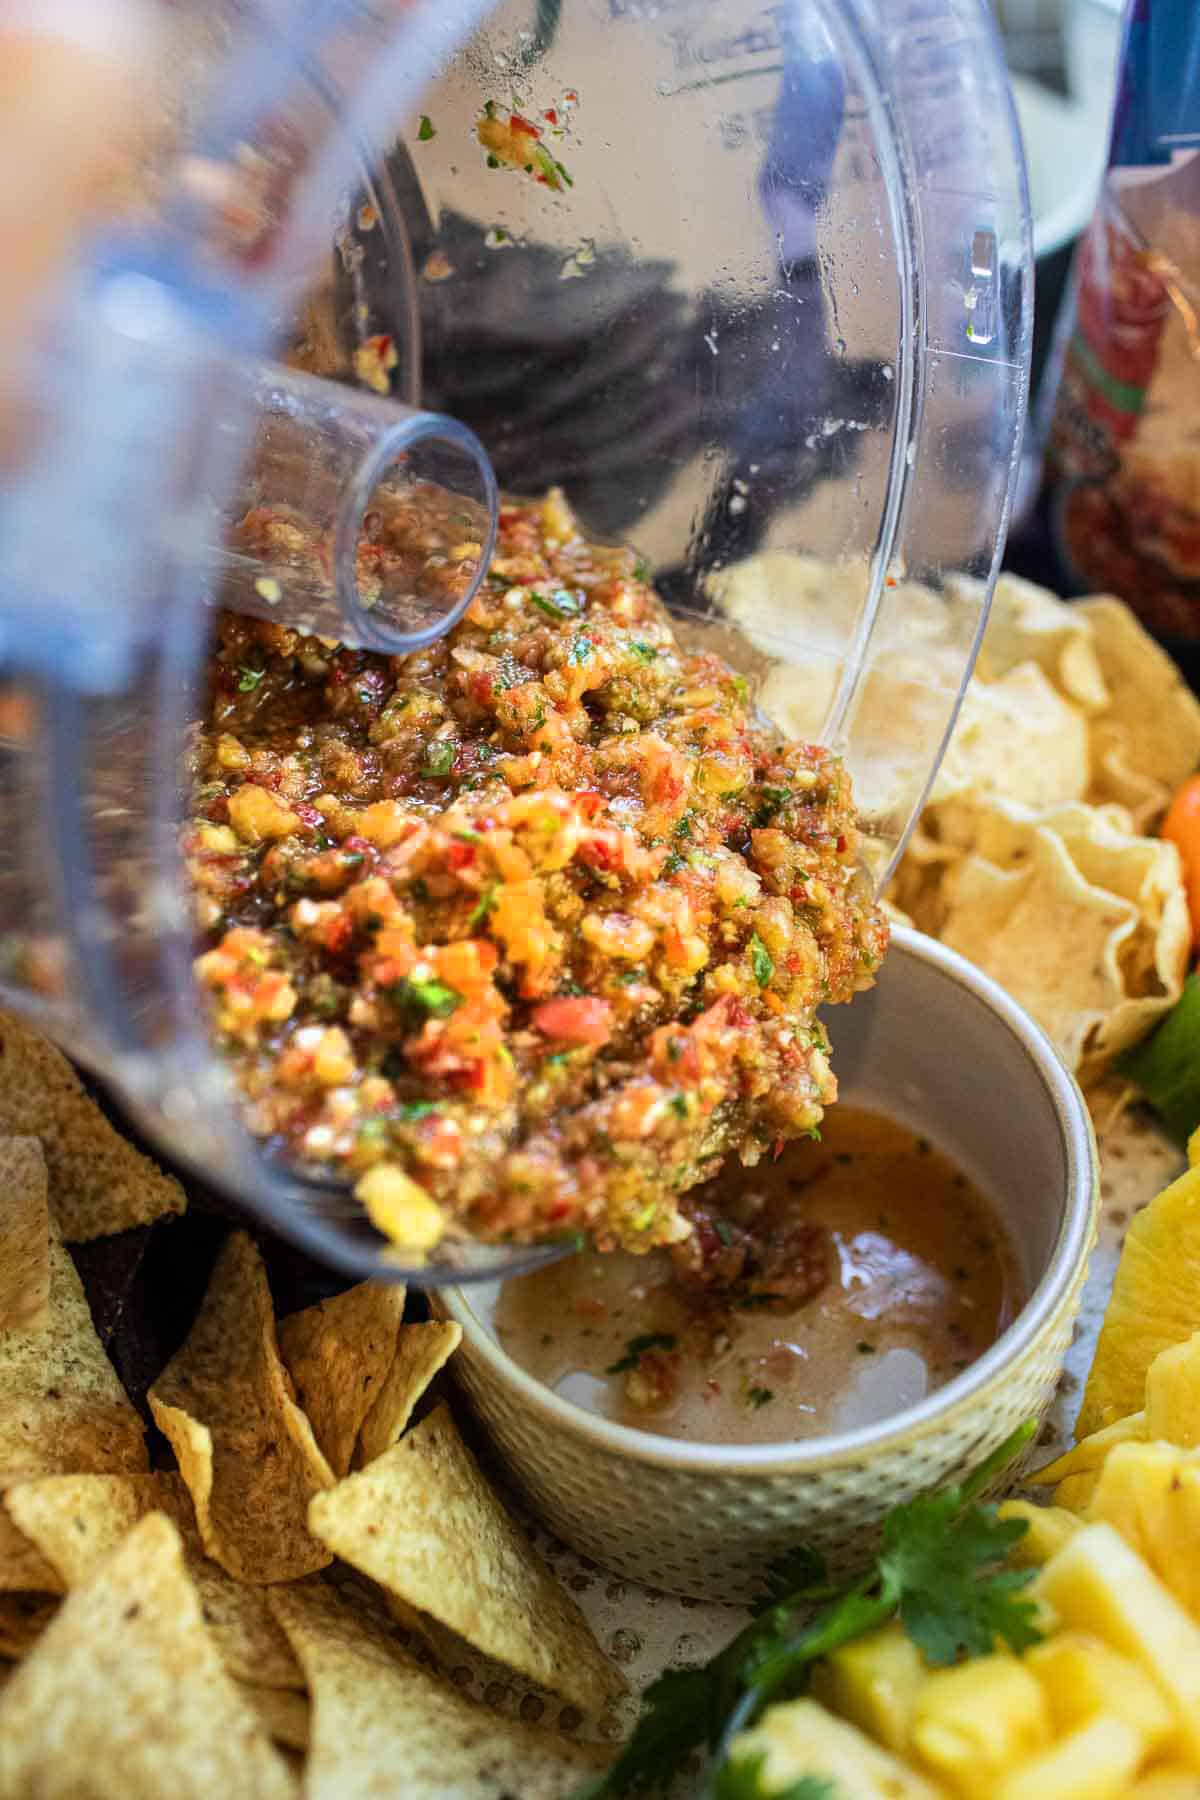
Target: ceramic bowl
(942, 1049)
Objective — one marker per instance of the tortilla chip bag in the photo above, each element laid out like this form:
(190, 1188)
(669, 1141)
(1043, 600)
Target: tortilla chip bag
(124, 1694)
(245, 1449)
(338, 1354)
(61, 1404)
(422, 1522)
(381, 1724)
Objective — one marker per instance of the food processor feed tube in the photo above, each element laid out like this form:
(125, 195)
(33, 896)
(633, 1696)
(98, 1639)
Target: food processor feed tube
(770, 325)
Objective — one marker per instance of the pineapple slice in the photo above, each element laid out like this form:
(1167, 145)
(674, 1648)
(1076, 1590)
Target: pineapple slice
(874, 1681)
(1173, 1394)
(1049, 1529)
(1098, 1584)
(1084, 1680)
(1155, 1299)
(1074, 1495)
(1150, 1493)
(800, 1738)
(1096, 1762)
(1088, 1455)
(976, 1722)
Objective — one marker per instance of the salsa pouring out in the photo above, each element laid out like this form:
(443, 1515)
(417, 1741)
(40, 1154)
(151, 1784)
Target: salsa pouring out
(524, 933)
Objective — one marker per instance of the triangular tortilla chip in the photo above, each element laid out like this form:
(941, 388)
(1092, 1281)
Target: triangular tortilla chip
(61, 1404)
(75, 1521)
(420, 1352)
(285, 1717)
(125, 1695)
(23, 1568)
(98, 1182)
(338, 1354)
(422, 1522)
(382, 1725)
(1030, 624)
(23, 1618)
(24, 1236)
(1148, 696)
(245, 1449)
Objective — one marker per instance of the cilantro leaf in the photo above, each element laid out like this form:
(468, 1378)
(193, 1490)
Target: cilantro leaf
(637, 1347)
(430, 999)
(559, 605)
(675, 1718)
(426, 129)
(439, 757)
(956, 1596)
(416, 1109)
(483, 905)
(1166, 1065)
(761, 961)
(248, 678)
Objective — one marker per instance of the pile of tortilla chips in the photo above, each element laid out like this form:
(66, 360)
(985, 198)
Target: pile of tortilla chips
(1032, 856)
(279, 1614)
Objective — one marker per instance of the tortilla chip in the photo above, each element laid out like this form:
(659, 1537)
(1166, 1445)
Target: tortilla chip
(1148, 697)
(23, 1618)
(421, 1351)
(61, 1404)
(125, 1695)
(1017, 737)
(338, 1354)
(23, 1568)
(285, 1717)
(382, 1724)
(75, 1521)
(1028, 623)
(24, 1236)
(98, 1182)
(1117, 779)
(422, 1522)
(245, 1449)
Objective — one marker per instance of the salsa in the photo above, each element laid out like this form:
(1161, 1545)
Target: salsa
(524, 933)
(911, 1277)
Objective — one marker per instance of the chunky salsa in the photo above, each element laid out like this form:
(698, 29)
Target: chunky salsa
(524, 933)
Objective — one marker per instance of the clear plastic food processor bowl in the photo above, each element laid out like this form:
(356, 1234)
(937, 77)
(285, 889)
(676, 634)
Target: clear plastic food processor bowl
(759, 300)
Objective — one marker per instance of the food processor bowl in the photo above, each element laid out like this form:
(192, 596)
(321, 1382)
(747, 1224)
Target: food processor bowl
(752, 283)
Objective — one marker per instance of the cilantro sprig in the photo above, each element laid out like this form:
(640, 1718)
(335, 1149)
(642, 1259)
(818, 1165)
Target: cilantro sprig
(941, 1569)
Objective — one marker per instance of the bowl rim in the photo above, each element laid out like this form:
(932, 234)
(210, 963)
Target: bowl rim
(1065, 1267)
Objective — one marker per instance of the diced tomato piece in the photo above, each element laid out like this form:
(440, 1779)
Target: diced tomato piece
(582, 1021)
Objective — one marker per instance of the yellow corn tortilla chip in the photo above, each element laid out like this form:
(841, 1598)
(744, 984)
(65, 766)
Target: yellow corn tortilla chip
(75, 1521)
(420, 1352)
(338, 1354)
(1118, 779)
(422, 1522)
(245, 1449)
(1148, 696)
(23, 1618)
(61, 1404)
(23, 1568)
(98, 1182)
(1028, 623)
(1017, 737)
(24, 1236)
(125, 1696)
(285, 1717)
(382, 1725)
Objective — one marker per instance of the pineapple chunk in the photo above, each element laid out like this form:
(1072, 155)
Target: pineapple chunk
(1097, 1583)
(1049, 1529)
(1088, 1455)
(800, 1738)
(1155, 1301)
(1150, 1493)
(1083, 1680)
(1075, 1493)
(873, 1681)
(974, 1723)
(1170, 1782)
(1096, 1762)
(1173, 1394)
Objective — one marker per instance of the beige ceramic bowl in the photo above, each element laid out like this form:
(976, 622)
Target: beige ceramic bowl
(943, 1049)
